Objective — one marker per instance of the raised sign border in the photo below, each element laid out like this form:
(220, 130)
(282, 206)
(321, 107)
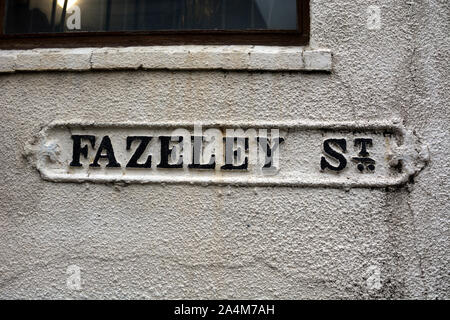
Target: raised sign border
(413, 158)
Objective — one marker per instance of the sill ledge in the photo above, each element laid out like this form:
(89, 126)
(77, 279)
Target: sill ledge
(189, 57)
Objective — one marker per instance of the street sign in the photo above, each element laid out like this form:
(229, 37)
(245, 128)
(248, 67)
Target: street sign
(279, 154)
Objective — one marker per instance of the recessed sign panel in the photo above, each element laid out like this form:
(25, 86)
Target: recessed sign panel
(290, 154)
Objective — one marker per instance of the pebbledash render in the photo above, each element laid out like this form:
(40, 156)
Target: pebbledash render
(233, 171)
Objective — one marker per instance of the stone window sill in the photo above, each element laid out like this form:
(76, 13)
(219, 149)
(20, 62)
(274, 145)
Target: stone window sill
(169, 58)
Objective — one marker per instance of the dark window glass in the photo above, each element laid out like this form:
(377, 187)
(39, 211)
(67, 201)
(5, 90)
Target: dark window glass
(48, 16)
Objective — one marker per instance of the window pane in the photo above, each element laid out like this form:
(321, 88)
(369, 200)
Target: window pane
(34, 16)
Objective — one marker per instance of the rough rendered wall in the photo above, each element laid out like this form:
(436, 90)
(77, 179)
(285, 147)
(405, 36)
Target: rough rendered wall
(188, 241)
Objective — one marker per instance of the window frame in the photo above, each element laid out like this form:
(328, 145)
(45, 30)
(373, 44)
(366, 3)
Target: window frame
(173, 37)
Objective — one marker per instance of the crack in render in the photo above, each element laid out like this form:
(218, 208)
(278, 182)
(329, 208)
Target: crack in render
(416, 249)
(412, 70)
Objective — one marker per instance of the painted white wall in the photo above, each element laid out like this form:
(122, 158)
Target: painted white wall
(69, 240)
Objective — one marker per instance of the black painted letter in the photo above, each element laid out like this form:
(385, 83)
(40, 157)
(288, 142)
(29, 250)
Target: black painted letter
(78, 150)
(166, 152)
(268, 149)
(364, 143)
(324, 164)
(231, 154)
(107, 146)
(133, 163)
(196, 155)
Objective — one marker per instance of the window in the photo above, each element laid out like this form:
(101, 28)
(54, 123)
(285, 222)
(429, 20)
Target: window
(75, 23)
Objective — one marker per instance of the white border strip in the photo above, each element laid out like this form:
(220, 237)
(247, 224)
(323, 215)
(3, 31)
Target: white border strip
(393, 124)
(237, 181)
